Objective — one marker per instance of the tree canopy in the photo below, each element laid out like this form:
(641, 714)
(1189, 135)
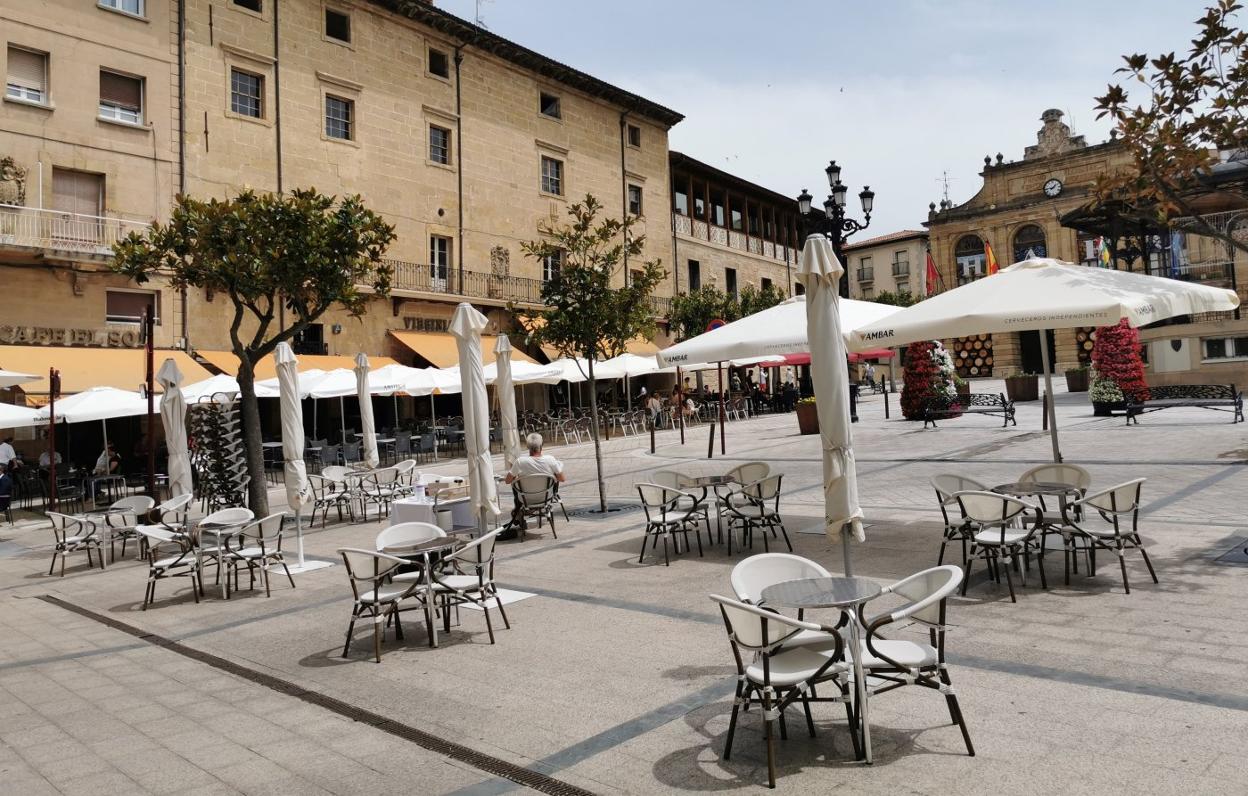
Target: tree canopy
(693, 311)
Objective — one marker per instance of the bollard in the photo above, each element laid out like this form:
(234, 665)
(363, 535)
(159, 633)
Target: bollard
(853, 403)
(1044, 408)
(885, 399)
(710, 443)
(652, 435)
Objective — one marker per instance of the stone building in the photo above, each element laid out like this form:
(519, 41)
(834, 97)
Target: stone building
(463, 140)
(893, 263)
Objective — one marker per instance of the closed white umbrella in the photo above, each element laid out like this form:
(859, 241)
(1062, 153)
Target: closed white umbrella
(1042, 294)
(9, 378)
(506, 401)
(820, 271)
(173, 418)
(368, 453)
(13, 416)
(294, 472)
(466, 325)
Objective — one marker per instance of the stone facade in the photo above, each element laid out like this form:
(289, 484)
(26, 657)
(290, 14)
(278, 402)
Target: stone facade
(895, 263)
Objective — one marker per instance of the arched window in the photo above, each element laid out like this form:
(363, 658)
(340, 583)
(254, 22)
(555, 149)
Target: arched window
(1029, 242)
(968, 253)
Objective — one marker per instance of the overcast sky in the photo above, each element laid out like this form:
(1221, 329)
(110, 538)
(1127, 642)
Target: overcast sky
(897, 91)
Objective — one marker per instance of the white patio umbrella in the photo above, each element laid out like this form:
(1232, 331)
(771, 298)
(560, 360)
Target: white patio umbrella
(1042, 294)
(525, 372)
(631, 365)
(294, 471)
(466, 325)
(96, 403)
(368, 451)
(506, 401)
(820, 272)
(220, 384)
(173, 418)
(13, 416)
(9, 378)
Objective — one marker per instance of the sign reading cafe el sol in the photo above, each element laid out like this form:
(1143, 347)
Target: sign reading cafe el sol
(85, 338)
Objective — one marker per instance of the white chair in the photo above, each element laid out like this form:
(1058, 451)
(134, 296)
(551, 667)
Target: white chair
(405, 475)
(760, 509)
(956, 528)
(536, 494)
(407, 533)
(670, 512)
(893, 663)
(329, 494)
(1001, 531)
(675, 480)
(1113, 506)
(169, 555)
(260, 547)
(774, 674)
(730, 494)
(752, 575)
(73, 535)
(122, 518)
(226, 519)
(375, 595)
(468, 577)
(377, 488)
(172, 512)
(1077, 478)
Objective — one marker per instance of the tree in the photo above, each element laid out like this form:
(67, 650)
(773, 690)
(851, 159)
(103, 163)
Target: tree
(303, 251)
(1117, 370)
(585, 316)
(902, 298)
(692, 312)
(928, 376)
(752, 300)
(1195, 110)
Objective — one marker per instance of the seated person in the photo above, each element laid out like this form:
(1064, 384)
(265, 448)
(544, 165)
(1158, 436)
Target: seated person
(6, 488)
(534, 463)
(108, 463)
(45, 461)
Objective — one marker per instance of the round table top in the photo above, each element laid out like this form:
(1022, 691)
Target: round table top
(1036, 488)
(709, 480)
(427, 546)
(820, 592)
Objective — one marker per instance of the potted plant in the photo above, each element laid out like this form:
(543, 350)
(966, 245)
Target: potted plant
(1117, 370)
(1077, 379)
(1105, 396)
(1023, 387)
(807, 416)
(963, 386)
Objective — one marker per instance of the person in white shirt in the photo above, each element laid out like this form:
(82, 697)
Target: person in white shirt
(535, 463)
(7, 453)
(45, 460)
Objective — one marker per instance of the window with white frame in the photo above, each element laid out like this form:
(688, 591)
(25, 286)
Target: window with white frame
(439, 145)
(339, 118)
(27, 76)
(551, 264)
(634, 200)
(121, 97)
(1225, 347)
(128, 306)
(134, 7)
(439, 260)
(246, 94)
(552, 176)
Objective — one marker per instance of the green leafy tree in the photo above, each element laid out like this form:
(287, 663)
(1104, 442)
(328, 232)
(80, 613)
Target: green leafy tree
(902, 298)
(303, 251)
(692, 312)
(585, 315)
(754, 299)
(1193, 110)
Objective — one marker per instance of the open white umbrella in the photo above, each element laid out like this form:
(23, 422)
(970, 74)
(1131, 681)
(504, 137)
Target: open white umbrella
(467, 324)
(9, 378)
(506, 401)
(13, 416)
(173, 418)
(413, 381)
(294, 471)
(1041, 294)
(820, 272)
(525, 372)
(368, 451)
(96, 403)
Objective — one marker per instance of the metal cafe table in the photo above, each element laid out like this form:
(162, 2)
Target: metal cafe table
(428, 552)
(845, 594)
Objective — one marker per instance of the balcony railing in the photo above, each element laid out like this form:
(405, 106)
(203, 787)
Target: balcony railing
(52, 229)
(901, 270)
(866, 275)
(695, 228)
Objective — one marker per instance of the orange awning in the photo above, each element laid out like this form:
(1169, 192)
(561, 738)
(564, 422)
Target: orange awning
(440, 350)
(82, 368)
(227, 363)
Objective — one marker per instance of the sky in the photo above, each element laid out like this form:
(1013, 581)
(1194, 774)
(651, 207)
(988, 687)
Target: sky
(898, 92)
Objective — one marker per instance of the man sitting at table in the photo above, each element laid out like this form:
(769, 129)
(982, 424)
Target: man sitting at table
(535, 463)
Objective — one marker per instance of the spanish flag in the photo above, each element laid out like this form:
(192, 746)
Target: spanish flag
(991, 259)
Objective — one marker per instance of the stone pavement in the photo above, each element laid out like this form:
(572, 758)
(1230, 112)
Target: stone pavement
(616, 677)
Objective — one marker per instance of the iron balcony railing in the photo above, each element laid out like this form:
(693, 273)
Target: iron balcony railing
(901, 270)
(39, 228)
(866, 275)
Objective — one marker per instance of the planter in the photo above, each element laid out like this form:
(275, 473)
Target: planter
(964, 387)
(1107, 408)
(1077, 380)
(1022, 388)
(807, 419)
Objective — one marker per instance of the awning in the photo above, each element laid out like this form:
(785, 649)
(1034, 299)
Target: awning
(439, 349)
(872, 353)
(84, 368)
(227, 363)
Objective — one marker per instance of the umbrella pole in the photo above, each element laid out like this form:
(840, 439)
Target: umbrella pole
(433, 422)
(719, 370)
(299, 536)
(846, 532)
(342, 418)
(1048, 394)
(313, 418)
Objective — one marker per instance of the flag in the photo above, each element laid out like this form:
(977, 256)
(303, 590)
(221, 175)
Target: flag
(990, 259)
(1103, 254)
(1178, 252)
(933, 276)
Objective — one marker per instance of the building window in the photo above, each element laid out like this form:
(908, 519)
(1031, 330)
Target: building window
(552, 176)
(439, 145)
(634, 136)
(734, 214)
(730, 281)
(439, 63)
(27, 76)
(901, 264)
(717, 207)
(695, 275)
(134, 7)
(551, 264)
(868, 293)
(766, 284)
(338, 26)
(1029, 242)
(339, 117)
(439, 260)
(310, 340)
(250, 5)
(78, 192)
(968, 253)
(634, 199)
(754, 222)
(246, 94)
(680, 199)
(866, 271)
(121, 98)
(128, 306)
(548, 105)
(1225, 347)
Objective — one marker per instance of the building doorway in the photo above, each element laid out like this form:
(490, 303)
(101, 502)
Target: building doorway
(1029, 349)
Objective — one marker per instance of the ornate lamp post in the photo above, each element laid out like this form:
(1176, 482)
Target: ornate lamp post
(831, 222)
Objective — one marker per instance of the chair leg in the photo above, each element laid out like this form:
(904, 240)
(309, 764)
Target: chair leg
(499, 601)
(644, 541)
(1147, 562)
(489, 626)
(1122, 562)
(940, 559)
(1009, 579)
(288, 576)
(771, 743)
(810, 720)
(955, 713)
(732, 722)
(355, 612)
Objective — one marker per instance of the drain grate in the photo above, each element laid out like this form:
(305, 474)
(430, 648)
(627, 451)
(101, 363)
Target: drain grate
(479, 760)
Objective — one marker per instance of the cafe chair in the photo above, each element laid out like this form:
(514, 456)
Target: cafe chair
(378, 487)
(329, 494)
(169, 555)
(957, 528)
(376, 596)
(73, 535)
(467, 577)
(674, 480)
(1001, 534)
(129, 513)
(408, 533)
(670, 511)
(759, 509)
(260, 548)
(757, 572)
(537, 496)
(894, 663)
(208, 548)
(1113, 506)
(773, 674)
(404, 478)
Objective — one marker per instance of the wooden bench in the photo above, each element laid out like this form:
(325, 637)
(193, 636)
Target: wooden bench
(1219, 397)
(977, 403)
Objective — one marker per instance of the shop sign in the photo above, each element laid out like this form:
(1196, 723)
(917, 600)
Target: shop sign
(83, 338)
(415, 323)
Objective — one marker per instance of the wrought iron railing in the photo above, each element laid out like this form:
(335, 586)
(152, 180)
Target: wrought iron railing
(866, 275)
(694, 228)
(52, 229)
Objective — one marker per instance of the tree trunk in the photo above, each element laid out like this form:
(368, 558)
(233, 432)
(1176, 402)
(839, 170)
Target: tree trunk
(257, 488)
(593, 430)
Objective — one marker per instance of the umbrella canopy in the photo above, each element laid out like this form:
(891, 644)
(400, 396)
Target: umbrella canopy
(10, 378)
(97, 403)
(173, 418)
(776, 330)
(523, 372)
(630, 365)
(576, 369)
(447, 381)
(872, 353)
(466, 325)
(413, 381)
(368, 451)
(820, 271)
(12, 416)
(309, 380)
(342, 382)
(204, 390)
(506, 400)
(1040, 294)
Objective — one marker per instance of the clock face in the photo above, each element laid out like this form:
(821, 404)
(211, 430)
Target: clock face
(1053, 187)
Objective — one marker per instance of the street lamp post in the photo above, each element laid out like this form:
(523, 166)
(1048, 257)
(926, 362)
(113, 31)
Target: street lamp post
(831, 222)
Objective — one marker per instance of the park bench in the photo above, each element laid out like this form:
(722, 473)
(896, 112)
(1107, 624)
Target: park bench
(976, 403)
(1219, 397)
